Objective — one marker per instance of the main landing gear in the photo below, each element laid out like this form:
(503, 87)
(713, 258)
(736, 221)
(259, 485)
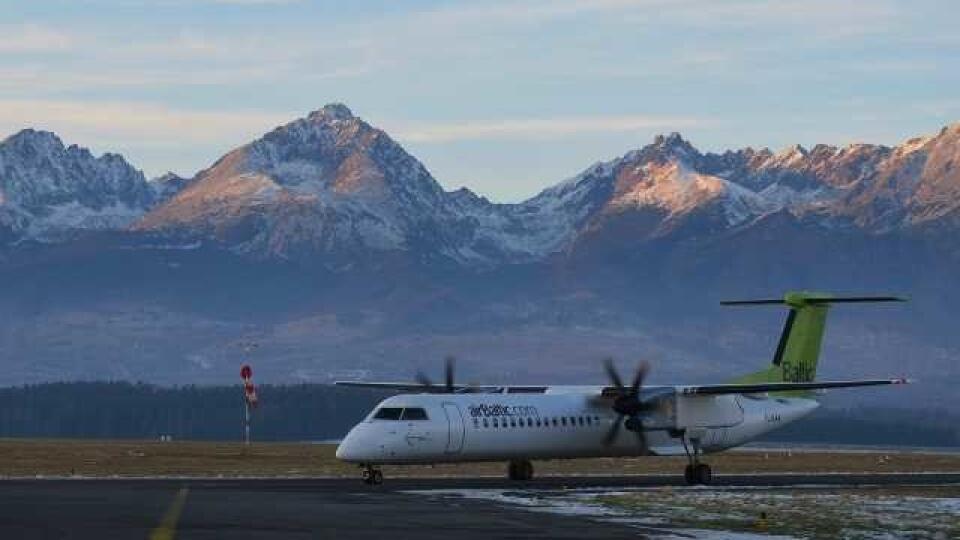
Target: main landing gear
(520, 470)
(695, 472)
(371, 475)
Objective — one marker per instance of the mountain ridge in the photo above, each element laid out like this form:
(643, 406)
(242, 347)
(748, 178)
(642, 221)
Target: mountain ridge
(331, 185)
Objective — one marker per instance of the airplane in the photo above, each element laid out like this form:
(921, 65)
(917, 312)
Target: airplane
(431, 423)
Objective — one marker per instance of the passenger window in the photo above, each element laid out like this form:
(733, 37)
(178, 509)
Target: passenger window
(388, 413)
(414, 413)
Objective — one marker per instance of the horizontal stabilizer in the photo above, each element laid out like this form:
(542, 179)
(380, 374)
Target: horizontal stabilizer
(808, 299)
(762, 388)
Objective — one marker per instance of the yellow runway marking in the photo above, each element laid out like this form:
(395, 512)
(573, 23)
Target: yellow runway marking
(167, 529)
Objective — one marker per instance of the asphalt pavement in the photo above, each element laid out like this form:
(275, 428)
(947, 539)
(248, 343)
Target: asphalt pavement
(330, 507)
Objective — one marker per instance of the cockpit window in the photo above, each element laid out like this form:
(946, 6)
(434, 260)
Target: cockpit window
(388, 413)
(414, 413)
(398, 413)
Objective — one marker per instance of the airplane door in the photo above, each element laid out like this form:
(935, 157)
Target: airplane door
(455, 428)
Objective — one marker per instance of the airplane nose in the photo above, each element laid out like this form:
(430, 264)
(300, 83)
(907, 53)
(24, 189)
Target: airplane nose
(343, 449)
(351, 447)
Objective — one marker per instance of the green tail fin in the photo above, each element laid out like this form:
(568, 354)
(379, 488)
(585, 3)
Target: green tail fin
(798, 350)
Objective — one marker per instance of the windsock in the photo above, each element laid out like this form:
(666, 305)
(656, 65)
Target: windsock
(249, 390)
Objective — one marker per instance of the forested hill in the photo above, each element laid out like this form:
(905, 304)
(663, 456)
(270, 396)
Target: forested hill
(313, 412)
(124, 410)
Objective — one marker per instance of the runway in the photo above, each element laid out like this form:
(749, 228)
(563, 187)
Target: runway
(335, 507)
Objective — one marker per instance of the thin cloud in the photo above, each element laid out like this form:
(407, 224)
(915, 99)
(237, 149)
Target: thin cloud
(541, 128)
(255, 2)
(527, 11)
(32, 38)
(144, 124)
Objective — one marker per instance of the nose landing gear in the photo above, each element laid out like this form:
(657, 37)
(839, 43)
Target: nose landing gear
(695, 472)
(371, 475)
(520, 470)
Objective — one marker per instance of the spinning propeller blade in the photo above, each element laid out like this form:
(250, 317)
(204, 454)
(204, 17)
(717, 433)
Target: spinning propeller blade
(449, 361)
(613, 431)
(449, 387)
(612, 373)
(627, 404)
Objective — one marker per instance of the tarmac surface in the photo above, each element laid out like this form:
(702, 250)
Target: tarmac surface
(333, 507)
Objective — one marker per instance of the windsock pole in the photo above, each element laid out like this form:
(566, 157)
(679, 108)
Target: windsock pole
(249, 399)
(246, 422)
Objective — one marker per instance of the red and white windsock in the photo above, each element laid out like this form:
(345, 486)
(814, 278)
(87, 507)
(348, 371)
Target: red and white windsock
(249, 390)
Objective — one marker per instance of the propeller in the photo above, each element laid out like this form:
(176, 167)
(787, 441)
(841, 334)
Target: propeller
(627, 403)
(448, 386)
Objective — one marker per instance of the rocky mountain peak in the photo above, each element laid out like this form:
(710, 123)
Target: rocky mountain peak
(332, 153)
(670, 146)
(331, 112)
(327, 183)
(50, 190)
(34, 138)
(167, 185)
(670, 140)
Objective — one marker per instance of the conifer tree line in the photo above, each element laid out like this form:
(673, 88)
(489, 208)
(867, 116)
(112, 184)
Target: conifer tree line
(136, 410)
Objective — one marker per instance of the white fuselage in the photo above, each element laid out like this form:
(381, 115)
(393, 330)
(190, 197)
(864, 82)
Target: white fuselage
(560, 423)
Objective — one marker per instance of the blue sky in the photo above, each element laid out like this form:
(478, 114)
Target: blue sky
(503, 97)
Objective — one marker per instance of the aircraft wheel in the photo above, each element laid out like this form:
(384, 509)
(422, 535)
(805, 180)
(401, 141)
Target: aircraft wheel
(703, 474)
(513, 470)
(371, 476)
(526, 470)
(689, 475)
(520, 470)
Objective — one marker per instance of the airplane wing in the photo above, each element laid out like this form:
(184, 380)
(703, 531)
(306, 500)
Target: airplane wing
(419, 388)
(760, 388)
(612, 391)
(397, 386)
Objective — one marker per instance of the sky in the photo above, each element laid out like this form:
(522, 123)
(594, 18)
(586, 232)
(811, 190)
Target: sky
(504, 97)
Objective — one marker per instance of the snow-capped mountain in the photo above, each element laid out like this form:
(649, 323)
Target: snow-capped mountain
(328, 182)
(669, 189)
(48, 191)
(165, 186)
(650, 193)
(331, 186)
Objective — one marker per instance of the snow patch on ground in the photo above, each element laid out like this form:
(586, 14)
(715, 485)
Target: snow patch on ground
(675, 512)
(584, 504)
